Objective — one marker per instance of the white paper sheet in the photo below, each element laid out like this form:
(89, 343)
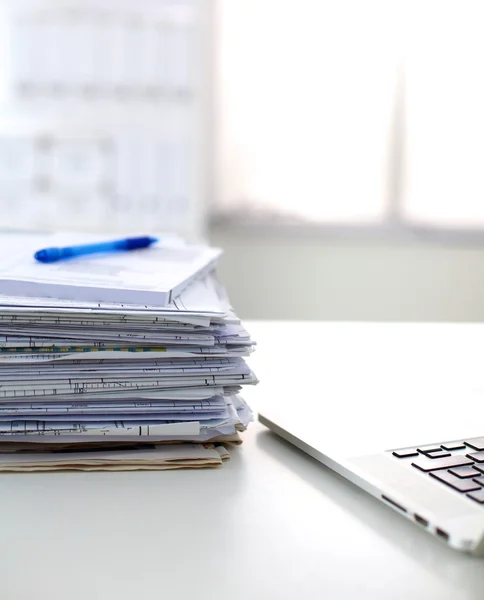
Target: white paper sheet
(155, 274)
(168, 407)
(129, 428)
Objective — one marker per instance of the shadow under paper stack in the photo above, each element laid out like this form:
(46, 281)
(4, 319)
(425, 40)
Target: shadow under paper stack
(105, 387)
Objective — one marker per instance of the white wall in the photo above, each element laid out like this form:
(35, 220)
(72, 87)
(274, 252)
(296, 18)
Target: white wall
(277, 276)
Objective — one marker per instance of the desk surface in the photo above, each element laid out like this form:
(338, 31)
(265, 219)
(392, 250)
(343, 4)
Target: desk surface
(271, 524)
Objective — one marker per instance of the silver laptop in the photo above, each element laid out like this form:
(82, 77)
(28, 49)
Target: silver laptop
(396, 409)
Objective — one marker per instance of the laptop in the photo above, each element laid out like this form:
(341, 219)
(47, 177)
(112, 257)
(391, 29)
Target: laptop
(398, 409)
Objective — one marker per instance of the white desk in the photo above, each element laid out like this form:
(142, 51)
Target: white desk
(271, 524)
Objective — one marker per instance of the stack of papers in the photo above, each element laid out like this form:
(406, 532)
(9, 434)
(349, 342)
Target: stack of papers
(105, 386)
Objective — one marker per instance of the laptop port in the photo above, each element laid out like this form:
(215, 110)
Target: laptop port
(420, 520)
(393, 503)
(442, 534)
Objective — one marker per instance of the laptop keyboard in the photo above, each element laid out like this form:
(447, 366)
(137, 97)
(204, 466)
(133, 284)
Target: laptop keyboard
(459, 465)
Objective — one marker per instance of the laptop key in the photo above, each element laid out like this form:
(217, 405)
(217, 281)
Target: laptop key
(477, 456)
(475, 443)
(437, 454)
(461, 485)
(405, 453)
(477, 496)
(479, 480)
(429, 449)
(434, 464)
(453, 446)
(465, 472)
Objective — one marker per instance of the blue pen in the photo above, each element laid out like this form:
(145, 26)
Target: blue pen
(49, 255)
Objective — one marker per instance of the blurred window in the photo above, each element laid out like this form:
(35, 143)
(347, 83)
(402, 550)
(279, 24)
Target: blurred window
(351, 112)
